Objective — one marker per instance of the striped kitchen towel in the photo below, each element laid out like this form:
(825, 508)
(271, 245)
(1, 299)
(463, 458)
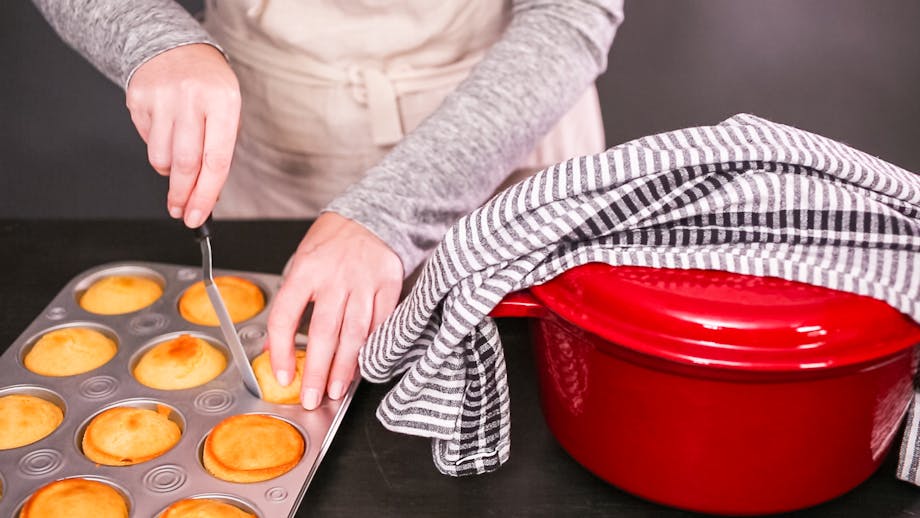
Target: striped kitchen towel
(747, 196)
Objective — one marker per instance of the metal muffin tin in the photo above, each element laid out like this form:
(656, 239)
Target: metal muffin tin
(150, 487)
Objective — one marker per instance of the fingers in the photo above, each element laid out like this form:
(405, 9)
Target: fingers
(363, 314)
(185, 103)
(219, 138)
(384, 301)
(322, 340)
(355, 325)
(283, 319)
(283, 361)
(354, 281)
(188, 140)
(159, 144)
(197, 161)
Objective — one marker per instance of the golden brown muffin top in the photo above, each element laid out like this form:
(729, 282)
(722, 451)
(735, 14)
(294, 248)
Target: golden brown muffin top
(204, 508)
(252, 448)
(70, 351)
(127, 435)
(272, 391)
(75, 498)
(183, 362)
(26, 419)
(118, 294)
(242, 298)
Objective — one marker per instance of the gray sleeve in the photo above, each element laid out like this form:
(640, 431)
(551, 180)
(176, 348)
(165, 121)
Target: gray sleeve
(118, 36)
(551, 51)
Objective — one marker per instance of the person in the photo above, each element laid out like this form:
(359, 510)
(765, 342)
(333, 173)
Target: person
(385, 120)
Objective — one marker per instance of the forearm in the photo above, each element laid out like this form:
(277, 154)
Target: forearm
(550, 52)
(117, 36)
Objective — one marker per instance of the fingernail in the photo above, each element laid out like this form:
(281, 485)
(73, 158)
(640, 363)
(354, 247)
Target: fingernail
(194, 218)
(310, 399)
(284, 377)
(336, 389)
(175, 212)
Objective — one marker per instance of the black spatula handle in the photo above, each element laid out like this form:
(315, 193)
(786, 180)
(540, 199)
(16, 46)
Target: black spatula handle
(204, 231)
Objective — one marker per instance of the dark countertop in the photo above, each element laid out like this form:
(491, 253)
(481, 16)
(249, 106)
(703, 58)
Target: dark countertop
(369, 470)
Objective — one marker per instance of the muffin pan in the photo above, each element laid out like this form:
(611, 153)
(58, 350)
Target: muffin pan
(151, 486)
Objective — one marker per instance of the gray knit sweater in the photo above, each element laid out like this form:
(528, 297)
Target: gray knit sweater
(550, 52)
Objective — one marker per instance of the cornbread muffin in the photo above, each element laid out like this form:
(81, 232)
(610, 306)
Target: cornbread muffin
(26, 419)
(75, 498)
(126, 435)
(272, 391)
(204, 508)
(180, 363)
(70, 351)
(243, 299)
(252, 448)
(120, 294)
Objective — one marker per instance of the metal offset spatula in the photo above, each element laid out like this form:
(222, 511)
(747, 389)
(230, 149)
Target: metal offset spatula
(203, 233)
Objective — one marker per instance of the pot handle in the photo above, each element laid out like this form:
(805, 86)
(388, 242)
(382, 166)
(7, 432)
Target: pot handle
(521, 304)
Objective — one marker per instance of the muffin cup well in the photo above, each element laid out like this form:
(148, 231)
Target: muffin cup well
(303, 434)
(220, 497)
(266, 297)
(148, 404)
(129, 500)
(83, 284)
(139, 353)
(42, 393)
(106, 331)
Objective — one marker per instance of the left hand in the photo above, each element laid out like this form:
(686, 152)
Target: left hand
(354, 280)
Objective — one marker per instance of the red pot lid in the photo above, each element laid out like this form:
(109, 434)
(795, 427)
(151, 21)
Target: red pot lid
(727, 320)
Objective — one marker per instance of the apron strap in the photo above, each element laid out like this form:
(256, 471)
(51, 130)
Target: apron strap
(386, 123)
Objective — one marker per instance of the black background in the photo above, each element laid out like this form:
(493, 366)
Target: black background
(847, 69)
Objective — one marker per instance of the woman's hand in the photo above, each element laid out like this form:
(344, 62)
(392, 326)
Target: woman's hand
(185, 103)
(354, 280)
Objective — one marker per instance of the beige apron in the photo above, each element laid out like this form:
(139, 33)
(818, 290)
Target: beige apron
(330, 86)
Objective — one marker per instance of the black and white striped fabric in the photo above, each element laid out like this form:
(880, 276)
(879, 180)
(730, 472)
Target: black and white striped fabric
(746, 196)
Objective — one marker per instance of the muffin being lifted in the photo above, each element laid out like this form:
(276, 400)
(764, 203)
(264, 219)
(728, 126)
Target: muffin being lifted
(272, 390)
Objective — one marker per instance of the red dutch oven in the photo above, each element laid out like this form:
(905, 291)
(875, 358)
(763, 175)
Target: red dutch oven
(718, 392)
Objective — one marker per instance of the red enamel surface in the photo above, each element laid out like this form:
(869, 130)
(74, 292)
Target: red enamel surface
(718, 392)
(728, 320)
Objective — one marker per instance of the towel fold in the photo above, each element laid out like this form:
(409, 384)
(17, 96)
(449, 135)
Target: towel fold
(747, 196)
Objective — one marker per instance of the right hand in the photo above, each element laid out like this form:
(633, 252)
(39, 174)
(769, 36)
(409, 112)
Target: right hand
(185, 103)
(353, 279)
